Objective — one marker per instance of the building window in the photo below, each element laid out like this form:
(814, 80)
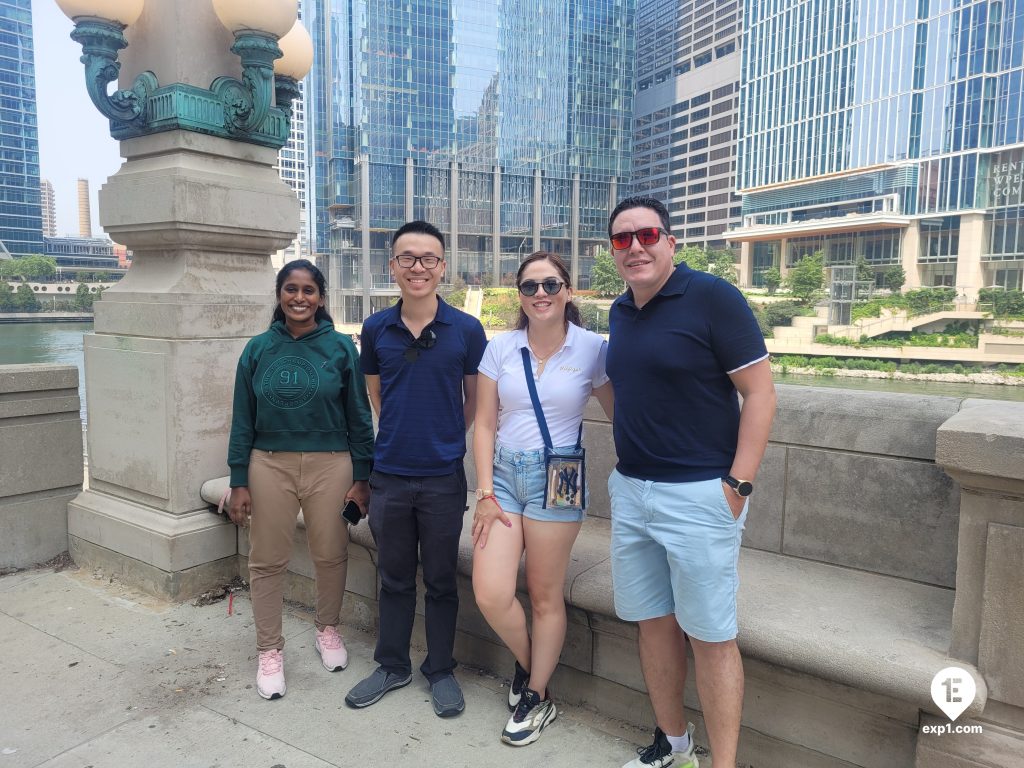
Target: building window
(1006, 234)
(940, 239)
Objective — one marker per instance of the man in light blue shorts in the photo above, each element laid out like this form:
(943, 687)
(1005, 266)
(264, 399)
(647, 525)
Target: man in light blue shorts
(682, 344)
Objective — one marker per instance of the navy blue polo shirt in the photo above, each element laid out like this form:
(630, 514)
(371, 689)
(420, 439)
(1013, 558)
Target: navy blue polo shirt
(676, 410)
(422, 428)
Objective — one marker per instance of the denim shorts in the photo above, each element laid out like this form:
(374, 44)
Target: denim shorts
(519, 485)
(675, 547)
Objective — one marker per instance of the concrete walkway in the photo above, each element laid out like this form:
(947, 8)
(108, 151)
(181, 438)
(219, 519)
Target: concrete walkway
(95, 674)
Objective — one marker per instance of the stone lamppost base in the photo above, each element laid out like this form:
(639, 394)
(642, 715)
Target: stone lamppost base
(202, 216)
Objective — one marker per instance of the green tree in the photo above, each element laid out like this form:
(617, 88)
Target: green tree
(7, 303)
(695, 257)
(25, 299)
(865, 272)
(895, 278)
(772, 280)
(83, 299)
(34, 267)
(807, 277)
(590, 314)
(721, 263)
(605, 280)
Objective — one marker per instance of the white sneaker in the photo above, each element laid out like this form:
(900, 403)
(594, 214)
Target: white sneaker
(270, 675)
(531, 716)
(333, 654)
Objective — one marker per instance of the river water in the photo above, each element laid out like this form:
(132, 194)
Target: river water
(24, 343)
(62, 343)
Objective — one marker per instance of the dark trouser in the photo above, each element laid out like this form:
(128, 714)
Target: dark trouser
(425, 514)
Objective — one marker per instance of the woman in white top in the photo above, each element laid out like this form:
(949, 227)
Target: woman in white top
(567, 367)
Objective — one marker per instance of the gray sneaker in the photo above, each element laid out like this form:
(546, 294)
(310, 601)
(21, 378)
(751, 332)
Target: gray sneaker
(372, 689)
(446, 696)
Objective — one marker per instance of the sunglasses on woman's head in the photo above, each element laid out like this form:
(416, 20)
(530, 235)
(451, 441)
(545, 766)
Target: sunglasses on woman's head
(646, 236)
(550, 285)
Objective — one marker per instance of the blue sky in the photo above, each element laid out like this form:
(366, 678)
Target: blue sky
(73, 137)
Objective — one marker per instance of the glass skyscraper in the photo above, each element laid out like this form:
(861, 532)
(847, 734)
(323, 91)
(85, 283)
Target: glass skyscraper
(685, 114)
(887, 129)
(507, 125)
(292, 167)
(21, 215)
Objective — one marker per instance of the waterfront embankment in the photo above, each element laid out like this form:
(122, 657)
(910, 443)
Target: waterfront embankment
(985, 378)
(45, 317)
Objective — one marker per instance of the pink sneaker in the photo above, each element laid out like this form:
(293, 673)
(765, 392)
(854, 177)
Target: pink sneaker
(270, 675)
(333, 653)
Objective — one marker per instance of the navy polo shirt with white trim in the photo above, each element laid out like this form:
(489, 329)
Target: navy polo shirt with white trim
(422, 427)
(676, 410)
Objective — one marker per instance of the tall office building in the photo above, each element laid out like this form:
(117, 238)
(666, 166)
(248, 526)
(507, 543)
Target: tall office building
(84, 210)
(888, 129)
(292, 165)
(49, 207)
(686, 112)
(21, 218)
(506, 125)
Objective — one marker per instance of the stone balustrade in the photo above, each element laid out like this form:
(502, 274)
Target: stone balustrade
(40, 460)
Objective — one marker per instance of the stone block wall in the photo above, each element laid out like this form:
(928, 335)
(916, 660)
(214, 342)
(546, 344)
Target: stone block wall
(982, 447)
(848, 479)
(41, 460)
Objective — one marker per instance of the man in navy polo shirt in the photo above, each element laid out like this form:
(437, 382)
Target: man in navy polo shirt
(682, 343)
(420, 360)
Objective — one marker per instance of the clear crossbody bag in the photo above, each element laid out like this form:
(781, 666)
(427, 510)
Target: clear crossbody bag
(565, 484)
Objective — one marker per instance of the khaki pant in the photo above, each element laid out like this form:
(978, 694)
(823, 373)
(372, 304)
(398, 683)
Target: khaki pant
(279, 482)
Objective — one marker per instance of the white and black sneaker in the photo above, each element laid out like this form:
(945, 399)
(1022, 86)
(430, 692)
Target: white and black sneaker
(515, 690)
(660, 754)
(531, 716)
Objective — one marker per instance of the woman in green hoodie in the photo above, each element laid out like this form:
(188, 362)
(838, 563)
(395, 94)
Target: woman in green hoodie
(301, 435)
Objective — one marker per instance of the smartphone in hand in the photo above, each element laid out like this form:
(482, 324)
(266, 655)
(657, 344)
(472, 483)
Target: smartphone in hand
(351, 513)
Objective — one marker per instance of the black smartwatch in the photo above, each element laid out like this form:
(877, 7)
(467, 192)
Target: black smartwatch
(741, 487)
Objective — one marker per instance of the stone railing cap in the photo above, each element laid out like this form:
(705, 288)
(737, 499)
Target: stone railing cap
(985, 438)
(37, 377)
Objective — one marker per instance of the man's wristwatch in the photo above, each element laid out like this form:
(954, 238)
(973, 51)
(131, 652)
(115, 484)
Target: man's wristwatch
(484, 493)
(741, 488)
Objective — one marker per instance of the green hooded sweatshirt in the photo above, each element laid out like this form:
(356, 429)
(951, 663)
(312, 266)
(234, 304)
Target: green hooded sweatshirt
(304, 394)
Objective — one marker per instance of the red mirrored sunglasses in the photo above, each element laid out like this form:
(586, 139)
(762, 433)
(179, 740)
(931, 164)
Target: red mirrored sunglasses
(646, 236)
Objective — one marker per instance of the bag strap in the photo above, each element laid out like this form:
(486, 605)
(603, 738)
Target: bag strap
(541, 421)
